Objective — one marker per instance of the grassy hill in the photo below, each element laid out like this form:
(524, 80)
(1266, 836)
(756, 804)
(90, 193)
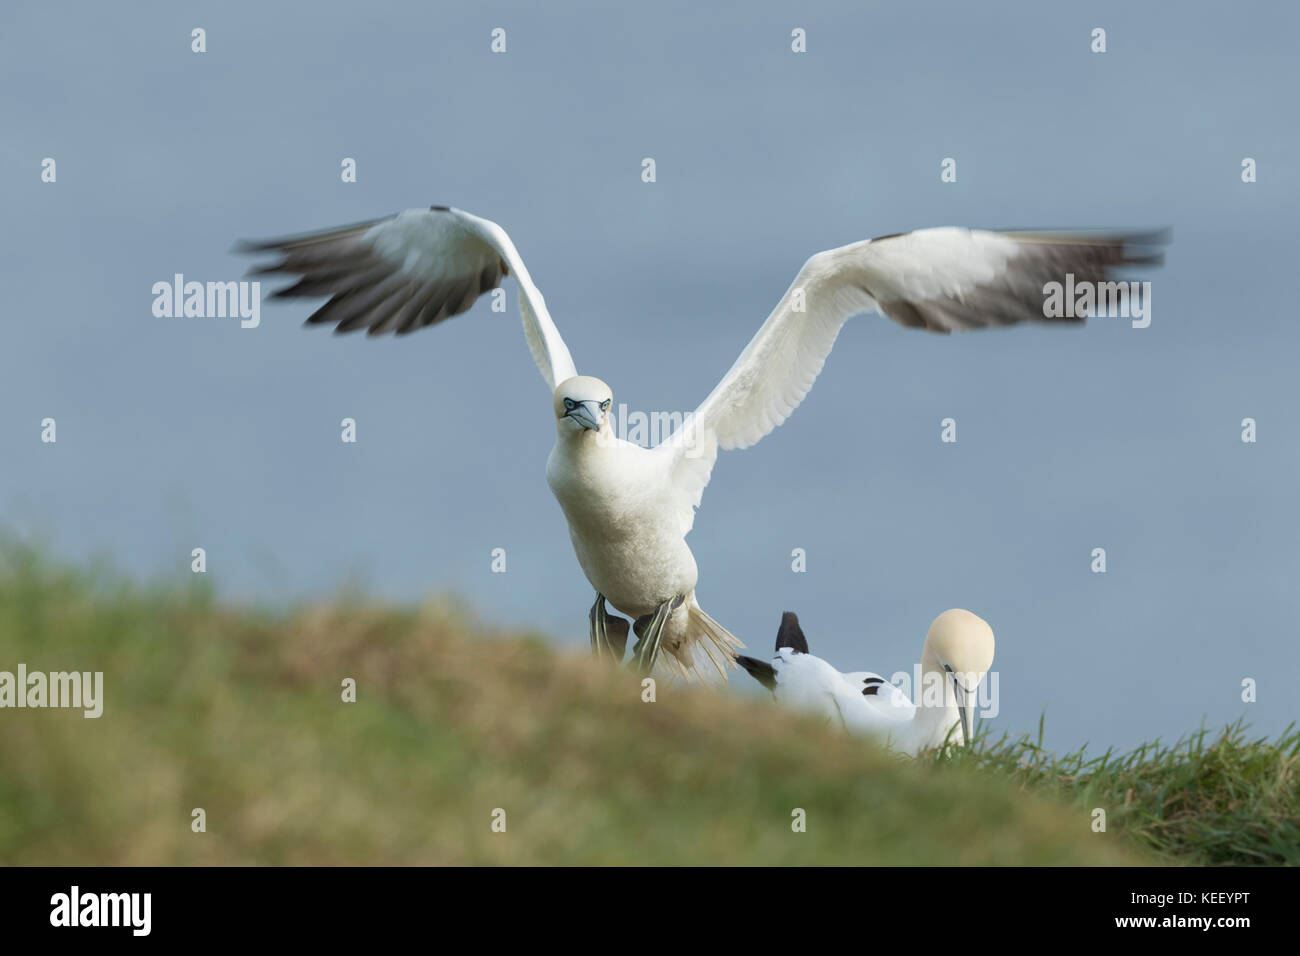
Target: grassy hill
(239, 712)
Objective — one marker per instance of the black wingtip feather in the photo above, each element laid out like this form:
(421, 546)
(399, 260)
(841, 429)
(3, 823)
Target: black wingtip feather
(244, 247)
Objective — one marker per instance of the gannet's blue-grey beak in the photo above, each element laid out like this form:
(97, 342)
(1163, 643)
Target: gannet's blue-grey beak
(587, 414)
(964, 708)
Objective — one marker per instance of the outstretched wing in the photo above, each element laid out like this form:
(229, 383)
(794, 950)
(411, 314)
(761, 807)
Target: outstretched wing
(941, 280)
(414, 269)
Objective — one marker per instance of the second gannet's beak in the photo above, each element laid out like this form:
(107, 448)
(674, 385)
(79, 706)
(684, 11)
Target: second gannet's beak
(963, 707)
(587, 414)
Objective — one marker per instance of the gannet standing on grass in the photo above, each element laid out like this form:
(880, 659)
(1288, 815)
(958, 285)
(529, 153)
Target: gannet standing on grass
(630, 508)
(958, 653)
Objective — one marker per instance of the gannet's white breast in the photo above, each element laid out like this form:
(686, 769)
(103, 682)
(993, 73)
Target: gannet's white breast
(621, 507)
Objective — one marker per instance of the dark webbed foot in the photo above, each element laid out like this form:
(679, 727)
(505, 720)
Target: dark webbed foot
(608, 632)
(650, 631)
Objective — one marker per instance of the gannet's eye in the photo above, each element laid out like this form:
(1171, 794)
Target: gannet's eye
(604, 406)
(569, 403)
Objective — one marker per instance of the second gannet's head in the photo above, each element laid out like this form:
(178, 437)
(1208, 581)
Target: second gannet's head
(582, 404)
(960, 648)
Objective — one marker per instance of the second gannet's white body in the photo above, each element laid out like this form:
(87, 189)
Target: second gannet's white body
(958, 652)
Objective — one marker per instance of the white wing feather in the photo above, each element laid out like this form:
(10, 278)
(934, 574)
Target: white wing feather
(415, 269)
(942, 280)
(544, 341)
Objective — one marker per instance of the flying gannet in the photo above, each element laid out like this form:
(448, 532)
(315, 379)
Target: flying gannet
(958, 653)
(630, 508)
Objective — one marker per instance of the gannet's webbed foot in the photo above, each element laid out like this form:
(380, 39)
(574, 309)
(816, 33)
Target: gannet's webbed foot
(608, 633)
(650, 631)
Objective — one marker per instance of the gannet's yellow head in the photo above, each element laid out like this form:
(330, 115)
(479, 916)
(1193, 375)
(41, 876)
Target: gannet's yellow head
(961, 643)
(582, 404)
(960, 647)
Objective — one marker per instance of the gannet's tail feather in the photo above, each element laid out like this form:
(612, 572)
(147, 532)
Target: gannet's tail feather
(761, 671)
(707, 649)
